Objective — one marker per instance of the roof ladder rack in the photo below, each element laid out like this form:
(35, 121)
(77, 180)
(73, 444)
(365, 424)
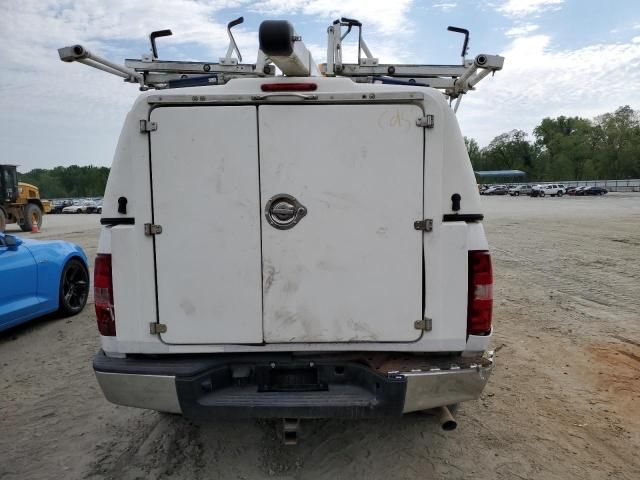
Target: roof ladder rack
(150, 72)
(454, 80)
(282, 46)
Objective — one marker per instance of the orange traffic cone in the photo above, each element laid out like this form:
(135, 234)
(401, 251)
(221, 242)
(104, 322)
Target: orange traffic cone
(34, 227)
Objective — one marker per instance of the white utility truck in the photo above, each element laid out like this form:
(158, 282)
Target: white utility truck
(293, 246)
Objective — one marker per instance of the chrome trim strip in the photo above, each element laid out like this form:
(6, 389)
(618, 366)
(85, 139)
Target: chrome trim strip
(359, 97)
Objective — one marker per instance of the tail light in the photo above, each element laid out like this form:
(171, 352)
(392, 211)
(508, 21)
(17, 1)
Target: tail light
(103, 295)
(480, 304)
(288, 87)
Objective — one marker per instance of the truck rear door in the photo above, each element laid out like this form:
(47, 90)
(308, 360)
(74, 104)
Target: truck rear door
(204, 163)
(288, 223)
(341, 186)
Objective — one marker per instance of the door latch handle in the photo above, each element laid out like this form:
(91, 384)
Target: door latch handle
(283, 211)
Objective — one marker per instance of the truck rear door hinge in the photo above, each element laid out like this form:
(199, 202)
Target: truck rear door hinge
(425, 225)
(152, 229)
(426, 122)
(425, 324)
(146, 126)
(156, 328)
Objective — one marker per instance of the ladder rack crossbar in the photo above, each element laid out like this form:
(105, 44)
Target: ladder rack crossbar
(433, 82)
(453, 79)
(105, 68)
(180, 67)
(399, 70)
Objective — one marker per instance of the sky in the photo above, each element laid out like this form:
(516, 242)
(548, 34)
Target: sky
(563, 57)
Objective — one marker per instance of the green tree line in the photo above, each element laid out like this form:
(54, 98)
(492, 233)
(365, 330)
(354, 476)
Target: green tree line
(562, 148)
(567, 148)
(71, 181)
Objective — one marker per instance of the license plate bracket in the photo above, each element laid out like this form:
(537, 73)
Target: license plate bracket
(290, 379)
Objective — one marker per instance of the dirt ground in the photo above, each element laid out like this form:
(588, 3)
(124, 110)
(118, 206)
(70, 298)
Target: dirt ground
(563, 402)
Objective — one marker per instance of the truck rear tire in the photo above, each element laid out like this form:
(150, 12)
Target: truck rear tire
(32, 214)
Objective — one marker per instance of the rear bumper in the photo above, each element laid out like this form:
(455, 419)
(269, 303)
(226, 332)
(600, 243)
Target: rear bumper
(279, 386)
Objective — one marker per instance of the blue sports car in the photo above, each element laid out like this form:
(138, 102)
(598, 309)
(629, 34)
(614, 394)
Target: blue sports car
(40, 277)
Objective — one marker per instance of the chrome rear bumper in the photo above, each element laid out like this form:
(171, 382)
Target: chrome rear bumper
(207, 388)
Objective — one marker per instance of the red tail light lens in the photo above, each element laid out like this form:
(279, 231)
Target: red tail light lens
(103, 295)
(289, 87)
(480, 305)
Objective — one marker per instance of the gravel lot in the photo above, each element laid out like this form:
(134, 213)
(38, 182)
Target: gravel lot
(563, 402)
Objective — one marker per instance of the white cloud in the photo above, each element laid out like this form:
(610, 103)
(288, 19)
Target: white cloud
(521, 8)
(538, 81)
(385, 24)
(445, 7)
(385, 16)
(520, 30)
(635, 39)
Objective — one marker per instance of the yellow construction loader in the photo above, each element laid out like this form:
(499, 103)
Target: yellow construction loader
(19, 202)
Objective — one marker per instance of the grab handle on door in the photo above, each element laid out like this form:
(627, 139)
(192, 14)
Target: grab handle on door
(301, 96)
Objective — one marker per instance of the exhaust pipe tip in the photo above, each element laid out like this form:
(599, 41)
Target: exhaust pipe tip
(446, 420)
(449, 425)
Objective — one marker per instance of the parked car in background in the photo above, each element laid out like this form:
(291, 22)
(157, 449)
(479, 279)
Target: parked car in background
(552, 189)
(537, 190)
(594, 191)
(496, 190)
(518, 190)
(92, 206)
(86, 206)
(40, 277)
(58, 205)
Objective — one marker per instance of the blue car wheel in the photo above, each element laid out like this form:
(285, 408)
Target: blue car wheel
(74, 287)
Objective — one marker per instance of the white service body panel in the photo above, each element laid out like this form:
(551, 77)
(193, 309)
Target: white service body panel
(204, 164)
(347, 277)
(351, 269)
